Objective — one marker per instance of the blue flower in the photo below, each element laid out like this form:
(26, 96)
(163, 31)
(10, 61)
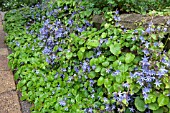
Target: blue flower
(116, 12)
(142, 39)
(132, 109)
(79, 29)
(168, 22)
(90, 110)
(157, 83)
(165, 29)
(147, 44)
(126, 85)
(70, 22)
(146, 90)
(146, 52)
(62, 103)
(93, 67)
(117, 72)
(107, 107)
(65, 7)
(76, 69)
(99, 53)
(140, 82)
(148, 30)
(145, 96)
(108, 70)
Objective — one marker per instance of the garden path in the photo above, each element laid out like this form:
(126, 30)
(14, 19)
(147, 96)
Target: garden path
(9, 102)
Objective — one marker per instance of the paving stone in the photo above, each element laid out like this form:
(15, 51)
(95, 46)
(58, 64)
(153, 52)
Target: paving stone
(3, 51)
(9, 102)
(3, 63)
(6, 81)
(2, 40)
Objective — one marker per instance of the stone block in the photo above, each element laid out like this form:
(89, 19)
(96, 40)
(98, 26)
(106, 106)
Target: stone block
(3, 51)
(3, 63)
(9, 102)
(6, 81)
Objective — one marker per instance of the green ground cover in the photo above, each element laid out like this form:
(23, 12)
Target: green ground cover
(64, 64)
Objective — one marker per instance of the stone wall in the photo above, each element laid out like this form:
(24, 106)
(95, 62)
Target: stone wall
(131, 21)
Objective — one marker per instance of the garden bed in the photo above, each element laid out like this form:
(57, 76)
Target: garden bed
(66, 61)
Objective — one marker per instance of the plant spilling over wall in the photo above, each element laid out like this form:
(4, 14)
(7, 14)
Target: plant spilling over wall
(6, 5)
(64, 64)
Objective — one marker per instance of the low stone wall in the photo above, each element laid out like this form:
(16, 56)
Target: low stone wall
(131, 21)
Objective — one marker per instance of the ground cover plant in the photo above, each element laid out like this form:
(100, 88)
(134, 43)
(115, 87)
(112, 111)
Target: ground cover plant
(64, 64)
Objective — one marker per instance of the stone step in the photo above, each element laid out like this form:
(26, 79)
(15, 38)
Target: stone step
(9, 102)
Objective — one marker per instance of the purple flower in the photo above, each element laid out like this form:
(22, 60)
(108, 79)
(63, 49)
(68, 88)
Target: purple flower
(65, 7)
(93, 67)
(142, 39)
(107, 107)
(113, 107)
(105, 99)
(116, 12)
(126, 85)
(116, 18)
(168, 22)
(140, 82)
(134, 75)
(145, 96)
(132, 109)
(70, 22)
(99, 53)
(146, 90)
(80, 29)
(165, 29)
(108, 70)
(46, 50)
(90, 110)
(46, 22)
(87, 23)
(148, 30)
(157, 83)
(145, 51)
(62, 103)
(116, 73)
(147, 44)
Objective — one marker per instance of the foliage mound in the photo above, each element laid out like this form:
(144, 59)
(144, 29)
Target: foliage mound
(64, 64)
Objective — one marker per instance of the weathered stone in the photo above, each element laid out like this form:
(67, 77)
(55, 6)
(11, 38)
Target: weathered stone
(2, 40)
(3, 51)
(6, 81)
(9, 102)
(3, 63)
(131, 21)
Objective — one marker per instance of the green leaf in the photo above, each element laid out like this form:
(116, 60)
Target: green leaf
(160, 110)
(163, 100)
(104, 35)
(168, 105)
(123, 67)
(69, 55)
(93, 43)
(151, 98)
(80, 55)
(153, 106)
(105, 64)
(82, 49)
(107, 83)
(98, 69)
(92, 74)
(100, 81)
(154, 36)
(115, 49)
(129, 57)
(140, 104)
